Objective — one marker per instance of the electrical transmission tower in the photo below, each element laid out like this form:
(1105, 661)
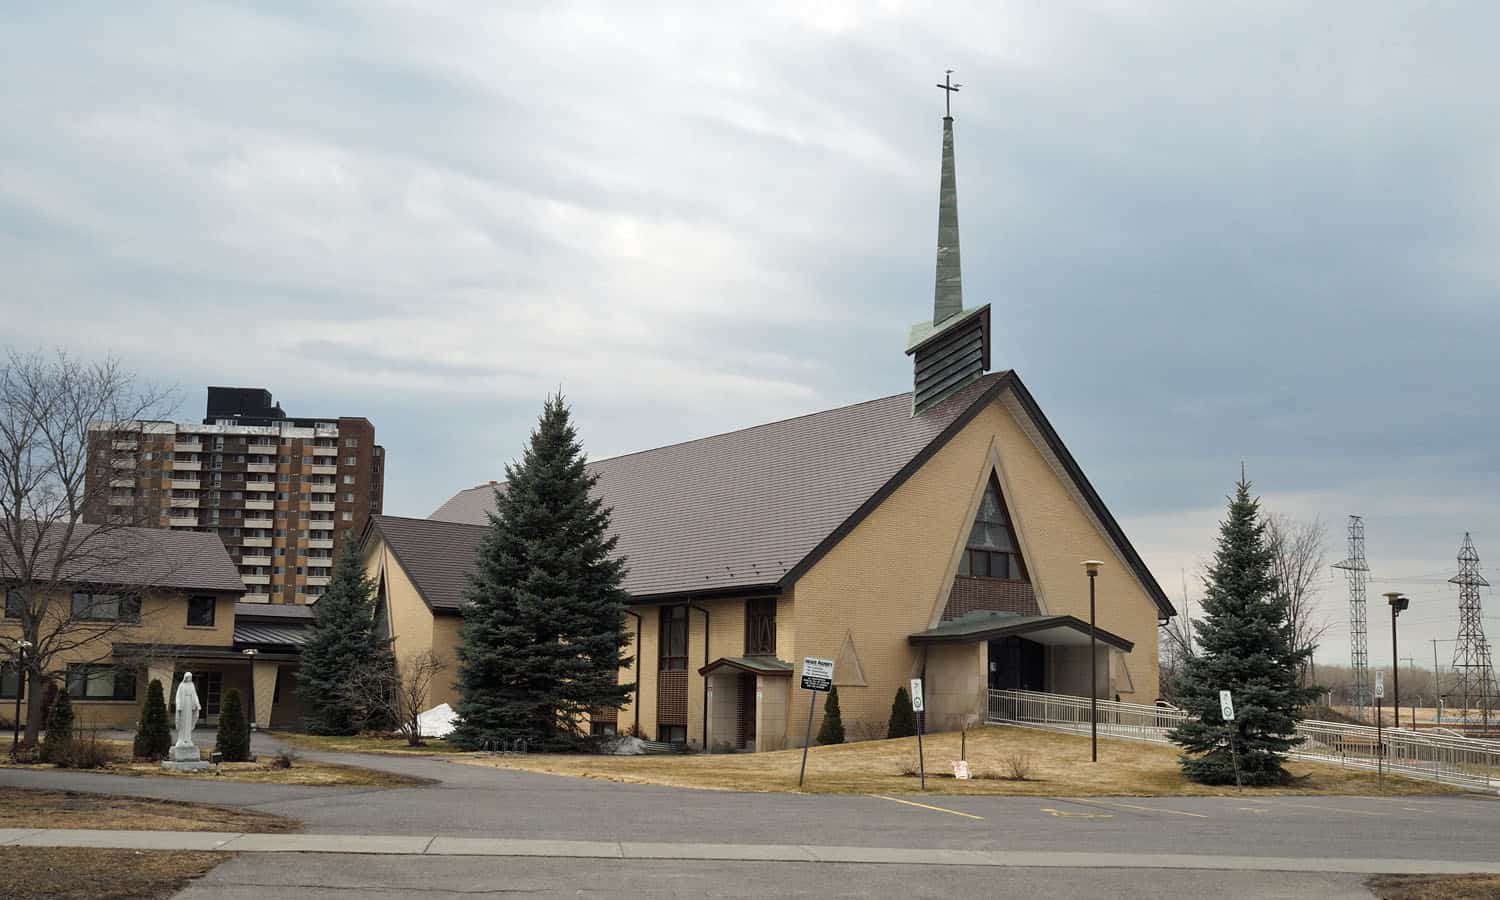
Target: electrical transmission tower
(1473, 674)
(1357, 574)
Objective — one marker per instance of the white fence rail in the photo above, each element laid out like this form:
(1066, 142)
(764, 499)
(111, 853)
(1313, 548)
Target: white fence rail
(1466, 762)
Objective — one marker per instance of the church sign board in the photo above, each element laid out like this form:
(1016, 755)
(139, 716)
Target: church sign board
(817, 674)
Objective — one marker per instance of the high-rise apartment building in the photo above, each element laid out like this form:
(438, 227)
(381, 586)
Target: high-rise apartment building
(284, 493)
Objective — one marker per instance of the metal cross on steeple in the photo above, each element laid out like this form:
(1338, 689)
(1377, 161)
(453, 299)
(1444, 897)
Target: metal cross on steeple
(950, 89)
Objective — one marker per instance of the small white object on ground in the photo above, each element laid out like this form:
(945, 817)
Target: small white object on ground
(437, 722)
(961, 769)
(623, 746)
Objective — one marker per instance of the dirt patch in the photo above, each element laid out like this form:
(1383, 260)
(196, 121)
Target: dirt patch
(1057, 766)
(1435, 887)
(88, 873)
(21, 808)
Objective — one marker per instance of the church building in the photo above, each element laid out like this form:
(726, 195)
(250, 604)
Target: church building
(936, 533)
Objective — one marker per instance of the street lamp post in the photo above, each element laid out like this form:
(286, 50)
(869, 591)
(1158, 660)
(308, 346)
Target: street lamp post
(250, 653)
(1091, 566)
(1398, 603)
(22, 645)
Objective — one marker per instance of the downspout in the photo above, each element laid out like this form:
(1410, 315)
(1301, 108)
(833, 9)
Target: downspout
(705, 677)
(637, 701)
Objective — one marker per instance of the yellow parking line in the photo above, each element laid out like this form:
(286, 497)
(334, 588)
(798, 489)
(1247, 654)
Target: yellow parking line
(925, 806)
(1154, 809)
(1356, 812)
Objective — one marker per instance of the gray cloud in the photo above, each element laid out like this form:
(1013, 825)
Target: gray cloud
(1210, 234)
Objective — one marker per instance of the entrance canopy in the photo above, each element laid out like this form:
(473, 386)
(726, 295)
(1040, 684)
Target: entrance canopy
(1057, 631)
(753, 665)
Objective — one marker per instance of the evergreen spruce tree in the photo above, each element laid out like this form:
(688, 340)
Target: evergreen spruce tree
(544, 626)
(343, 644)
(233, 740)
(903, 719)
(153, 737)
(59, 734)
(832, 729)
(1244, 646)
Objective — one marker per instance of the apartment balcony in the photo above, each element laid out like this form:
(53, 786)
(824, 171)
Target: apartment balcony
(188, 445)
(261, 597)
(187, 484)
(122, 462)
(266, 486)
(320, 525)
(264, 448)
(184, 465)
(322, 506)
(124, 445)
(251, 580)
(260, 504)
(265, 468)
(324, 469)
(126, 500)
(122, 482)
(179, 520)
(317, 581)
(184, 502)
(325, 451)
(320, 543)
(256, 541)
(255, 560)
(319, 487)
(259, 522)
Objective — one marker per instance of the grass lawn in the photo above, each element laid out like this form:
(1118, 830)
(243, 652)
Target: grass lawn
(361, 743)
(1058, 766)
(88, 873)
(21, 808)
(1436, 887)
(260, 772)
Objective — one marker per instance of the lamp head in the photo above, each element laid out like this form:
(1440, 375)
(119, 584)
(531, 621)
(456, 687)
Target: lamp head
(1091, 566)
(1398, 603)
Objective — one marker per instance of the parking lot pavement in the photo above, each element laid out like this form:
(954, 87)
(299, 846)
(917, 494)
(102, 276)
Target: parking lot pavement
(318, 877)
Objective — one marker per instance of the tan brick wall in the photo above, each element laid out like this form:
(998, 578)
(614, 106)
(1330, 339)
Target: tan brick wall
(891, 576)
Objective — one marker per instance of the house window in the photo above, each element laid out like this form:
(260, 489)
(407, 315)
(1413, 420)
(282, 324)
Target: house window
(674, 638)
(672, 734)
(348, 479)
(10, 682)
(992, 551)
(106, 607)
(210, 687)
(347, 516)
(351, 442)
(351, 460)
(201, 611)
(760, 626)
(93, 682)
(14, 604)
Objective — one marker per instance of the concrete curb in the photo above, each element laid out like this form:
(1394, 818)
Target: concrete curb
(436, 845)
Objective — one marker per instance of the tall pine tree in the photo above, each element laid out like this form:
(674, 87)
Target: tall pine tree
(544, 626)
(1244, 646)
(343, 646)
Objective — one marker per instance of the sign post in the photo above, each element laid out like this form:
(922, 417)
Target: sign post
(917, 706)
(1226, 709)
(1379, 738)
(817, 677)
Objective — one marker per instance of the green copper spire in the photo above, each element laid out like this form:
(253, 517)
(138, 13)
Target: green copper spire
(948, 297)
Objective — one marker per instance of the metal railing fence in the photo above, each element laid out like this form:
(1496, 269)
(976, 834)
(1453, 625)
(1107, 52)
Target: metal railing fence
(1449, 759)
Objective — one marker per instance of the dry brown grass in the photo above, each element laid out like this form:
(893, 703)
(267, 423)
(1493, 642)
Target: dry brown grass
(21, 808)
(1059, 767)
(89, 873)
(262, 771)
(362, 743)
(1436, 887)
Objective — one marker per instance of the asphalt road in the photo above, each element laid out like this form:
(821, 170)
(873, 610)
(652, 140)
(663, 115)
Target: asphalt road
(255, 877)
(479, 801)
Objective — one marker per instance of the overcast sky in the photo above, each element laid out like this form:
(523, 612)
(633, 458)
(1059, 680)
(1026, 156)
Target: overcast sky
(1210, 233)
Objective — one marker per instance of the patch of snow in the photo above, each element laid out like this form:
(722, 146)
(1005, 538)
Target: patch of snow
(437, 722)
(623, 746)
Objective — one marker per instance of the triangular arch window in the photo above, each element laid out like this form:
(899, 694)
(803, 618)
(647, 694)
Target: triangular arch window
(992, 550)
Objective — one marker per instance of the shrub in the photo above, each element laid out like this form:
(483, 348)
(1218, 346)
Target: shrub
(1018, 766)
(86, 751)
(59, 729)
(233, 741)
(153, 737)
(832, 729)
(903, 720)
(284, 759)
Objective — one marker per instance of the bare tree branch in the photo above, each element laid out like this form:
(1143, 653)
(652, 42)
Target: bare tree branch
(1298, 559)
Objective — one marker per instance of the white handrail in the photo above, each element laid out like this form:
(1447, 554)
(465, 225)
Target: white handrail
(1467, 762)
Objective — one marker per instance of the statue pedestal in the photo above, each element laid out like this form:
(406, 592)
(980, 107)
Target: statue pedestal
(184, 759)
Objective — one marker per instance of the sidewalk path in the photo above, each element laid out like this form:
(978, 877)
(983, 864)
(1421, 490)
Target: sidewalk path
(438, 845)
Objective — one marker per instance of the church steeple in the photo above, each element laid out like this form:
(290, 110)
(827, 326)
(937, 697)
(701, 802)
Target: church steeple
(953, 349)
(948, 297)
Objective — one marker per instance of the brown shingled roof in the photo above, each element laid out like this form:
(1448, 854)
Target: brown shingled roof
(436, 556)
(754, 508)
(134, 557)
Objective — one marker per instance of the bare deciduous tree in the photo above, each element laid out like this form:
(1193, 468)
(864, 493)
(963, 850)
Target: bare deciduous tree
(1298, 560)
(56, 467)
(398, 694)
